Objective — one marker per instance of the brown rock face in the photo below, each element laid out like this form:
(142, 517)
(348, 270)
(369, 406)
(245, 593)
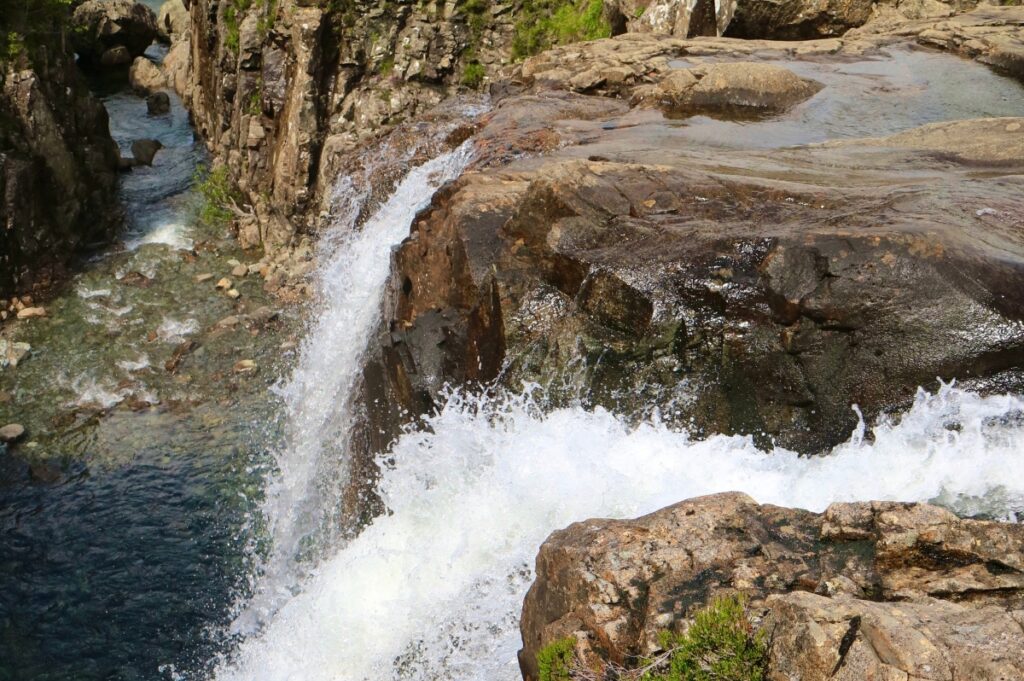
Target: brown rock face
(58, 168)
(869, 590)
(289, 98)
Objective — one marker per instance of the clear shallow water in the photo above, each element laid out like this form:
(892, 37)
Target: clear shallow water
(900, 89)
(126, 518)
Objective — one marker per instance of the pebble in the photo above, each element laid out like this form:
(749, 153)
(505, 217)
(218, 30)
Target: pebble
(245, 366)
(224, 283)
(233, 262)
(233, 293)
(228, 322)
(240, 271)
(30, 312)
(12, 432)
(203, 278)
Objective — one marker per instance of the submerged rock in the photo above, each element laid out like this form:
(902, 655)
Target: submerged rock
(11, 433)
(144, 151)
(863, 590)
(158, 104)
(105, 29)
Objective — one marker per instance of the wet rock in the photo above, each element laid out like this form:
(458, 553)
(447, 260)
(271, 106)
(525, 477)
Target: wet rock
(137, 279)
(244, 366)
(31, 312)
(264, 315)
(158, 104)
(180, 353)
(203, 278)
(239, 271)
(223, 284)
(144, 151)
(11, 433)
(797, 19)
(112, 32)
(145, 76)
(234, 293)
(739, 88)
(12, 353)
(173, 21)
(927, 587)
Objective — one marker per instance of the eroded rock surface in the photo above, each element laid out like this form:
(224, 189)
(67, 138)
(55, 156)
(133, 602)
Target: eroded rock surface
(865, 590)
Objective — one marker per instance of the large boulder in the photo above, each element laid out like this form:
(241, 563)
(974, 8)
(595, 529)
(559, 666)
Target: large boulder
(742, 88)
(145, 76)
(173, 21)
(104, 30)
(877, 590)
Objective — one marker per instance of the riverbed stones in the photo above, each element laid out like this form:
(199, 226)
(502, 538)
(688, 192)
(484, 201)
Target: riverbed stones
(31, 312)
(13, 353)
(223, 284)
(877, 589)
(11, 433)
(158, 104)
(144, 151)
(112, 32)
(239, 271)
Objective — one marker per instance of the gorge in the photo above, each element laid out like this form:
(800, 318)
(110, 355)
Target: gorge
(413, 297)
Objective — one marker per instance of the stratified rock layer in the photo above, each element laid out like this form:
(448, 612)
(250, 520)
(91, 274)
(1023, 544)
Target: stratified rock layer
(865, 590)
(58, 167)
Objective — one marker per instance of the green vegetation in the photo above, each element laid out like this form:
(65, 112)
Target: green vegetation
(557, 659)
(721, 645)
(544, 23)
(232, 20)
(27, 23)
(217, 196)
(473, 75)
(387, 66)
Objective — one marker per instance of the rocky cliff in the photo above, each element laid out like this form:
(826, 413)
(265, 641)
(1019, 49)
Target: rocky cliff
(861, 591)
(58, 163)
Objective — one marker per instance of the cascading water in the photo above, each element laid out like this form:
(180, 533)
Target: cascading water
(310, 476)
(433, 589)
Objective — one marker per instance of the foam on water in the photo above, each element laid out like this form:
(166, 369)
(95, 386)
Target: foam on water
(433, 590)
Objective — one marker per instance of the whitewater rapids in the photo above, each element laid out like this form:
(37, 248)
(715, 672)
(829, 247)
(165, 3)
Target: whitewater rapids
(433, 589)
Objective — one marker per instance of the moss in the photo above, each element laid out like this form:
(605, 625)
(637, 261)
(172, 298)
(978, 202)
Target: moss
(216, 195)
(544, 23)
(386, 67)
(639, 12)
(556, 660)
(233, 12)
(474, 74)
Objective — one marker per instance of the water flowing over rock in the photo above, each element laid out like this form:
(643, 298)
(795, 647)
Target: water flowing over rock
(876, 590)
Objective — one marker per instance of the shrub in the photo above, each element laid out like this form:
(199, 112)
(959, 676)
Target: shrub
(474, 74)
(721, 645)
(557, 659)
(216, 196)
(544, 23)
(28, 24)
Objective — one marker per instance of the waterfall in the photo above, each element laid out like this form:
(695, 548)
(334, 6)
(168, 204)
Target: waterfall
(311, 472)
(433, 588)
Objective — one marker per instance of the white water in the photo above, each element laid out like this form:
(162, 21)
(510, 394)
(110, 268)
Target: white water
(441, 579)
(351, 283)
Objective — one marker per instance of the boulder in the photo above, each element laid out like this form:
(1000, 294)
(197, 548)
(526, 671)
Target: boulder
(112, 32)
(145, 76)
(741, 88)
(143, 151)
(158, 104)
(797, 19)
(874, 590)
(173, 21)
